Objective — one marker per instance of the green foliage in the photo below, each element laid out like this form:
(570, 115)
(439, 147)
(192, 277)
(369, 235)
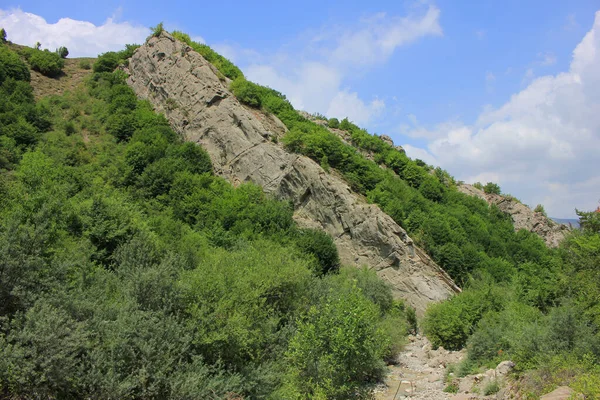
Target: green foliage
(157, 30)
(11, 66)
(321, 246)
(450, 324)
(62, 52)
(246, 92)
(333, 123)
(129, 270)
(540, 209)
(45, 62)
(451, 388)
(492, 188)
(342, 330)
(492, 387)
(3, 35)
(106, 62)
(224, 66)
(589, 221)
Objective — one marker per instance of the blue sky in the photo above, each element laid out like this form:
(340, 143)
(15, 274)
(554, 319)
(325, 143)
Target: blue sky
(489, 90)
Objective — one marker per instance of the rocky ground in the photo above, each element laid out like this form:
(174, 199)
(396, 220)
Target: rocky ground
(420, 375)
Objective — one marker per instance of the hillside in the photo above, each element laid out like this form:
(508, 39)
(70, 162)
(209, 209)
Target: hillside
(172, 230)
(522, 216)
(242, 145)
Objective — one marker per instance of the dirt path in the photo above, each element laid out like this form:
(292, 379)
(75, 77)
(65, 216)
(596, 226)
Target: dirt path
(419, 373)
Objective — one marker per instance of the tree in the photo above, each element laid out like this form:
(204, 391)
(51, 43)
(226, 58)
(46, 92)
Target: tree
(492, 188)
(589, 221)
(62, 52)
(3, 35)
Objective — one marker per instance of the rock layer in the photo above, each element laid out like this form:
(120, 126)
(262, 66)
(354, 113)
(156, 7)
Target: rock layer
(241, 143)
(522, 216)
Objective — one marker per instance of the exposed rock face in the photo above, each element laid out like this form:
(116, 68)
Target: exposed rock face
(196, 100)
(523, 217)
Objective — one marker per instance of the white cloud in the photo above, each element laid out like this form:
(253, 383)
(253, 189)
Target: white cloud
(542, 145)
(313, 76)
(380, 35)
(347, 103)
(82, 38)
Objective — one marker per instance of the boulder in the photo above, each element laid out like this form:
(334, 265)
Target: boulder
(504, 368)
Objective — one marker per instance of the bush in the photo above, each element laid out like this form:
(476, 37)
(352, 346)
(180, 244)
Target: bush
(107, 62)
(492, 387)
(336, 347)
(157, 30)
(246, 92)
(451, 388)
(45, 62)
(11, 66)
(3, 35)
(540, 209)
(84, 64)
(492, 188)
(62, 52)
(333, 123)
(321, 246)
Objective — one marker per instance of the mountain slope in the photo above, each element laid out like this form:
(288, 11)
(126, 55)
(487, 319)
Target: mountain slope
(241, 143)
(522, 216)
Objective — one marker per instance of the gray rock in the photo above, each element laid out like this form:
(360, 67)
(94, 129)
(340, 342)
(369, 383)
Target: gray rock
(504, 368)
(237, 138)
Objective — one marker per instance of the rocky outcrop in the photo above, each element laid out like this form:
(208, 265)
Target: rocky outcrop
(523, 217)
(242, 145)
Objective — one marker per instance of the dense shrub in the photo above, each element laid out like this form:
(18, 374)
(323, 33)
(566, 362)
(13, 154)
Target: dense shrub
(333, 123)
(321, 246)
(45, 62)
(11, 66)
(492, 188)
(106, 62)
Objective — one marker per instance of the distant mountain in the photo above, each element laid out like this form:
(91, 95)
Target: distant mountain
(574, 222)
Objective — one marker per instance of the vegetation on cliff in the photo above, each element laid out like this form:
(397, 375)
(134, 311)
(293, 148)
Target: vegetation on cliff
(129, 270)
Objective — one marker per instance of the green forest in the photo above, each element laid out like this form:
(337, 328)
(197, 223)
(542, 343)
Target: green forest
(129, 270)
